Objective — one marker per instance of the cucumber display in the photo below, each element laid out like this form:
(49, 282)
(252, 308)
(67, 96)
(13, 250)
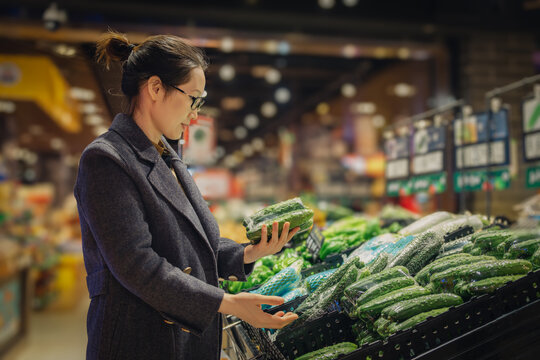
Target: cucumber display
(360, 286)
(407, 324)
(381, 326)
(384, 288)
(446, 280)
(485, 286)
(372, 309)
(425, 223)
(419, 242)
(330, 352)
(409, 308)
(425, 255)
(517, 237)
(281, 283)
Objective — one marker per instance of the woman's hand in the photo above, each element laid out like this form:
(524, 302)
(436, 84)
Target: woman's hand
(266, 247)
(247, 307)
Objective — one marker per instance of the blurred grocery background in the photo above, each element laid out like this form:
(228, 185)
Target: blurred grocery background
(379, 110)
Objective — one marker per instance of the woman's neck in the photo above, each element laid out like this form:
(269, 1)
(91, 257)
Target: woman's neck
(144, 122)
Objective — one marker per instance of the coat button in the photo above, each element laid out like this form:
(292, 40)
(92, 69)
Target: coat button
(168, 322)
(187, 270)
(221, 279)
(233, 278)
(186, 330)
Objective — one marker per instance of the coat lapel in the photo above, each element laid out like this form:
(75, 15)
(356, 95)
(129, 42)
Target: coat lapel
(160, 175)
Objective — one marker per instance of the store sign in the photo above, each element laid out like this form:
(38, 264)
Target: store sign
(474, 156)
(478, 180)
(531, 115)
(533, 177)
(200, 142)
(429, 163)
(397, 164)
(434, 184)
(214, 183)
(399, 187)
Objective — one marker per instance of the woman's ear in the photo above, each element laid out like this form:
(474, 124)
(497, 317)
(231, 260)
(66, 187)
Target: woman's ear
(155, 88)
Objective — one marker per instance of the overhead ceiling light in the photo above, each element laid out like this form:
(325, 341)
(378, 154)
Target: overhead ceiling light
(227, 44)
(227, 72)
(404, 90)
(247, 150)
(404, 53)
(367, 108)
(327, 4)
(284, 48)
(65, 50)
(251, 121)
(282, 95)
(271, 46)
(232, 103)
(258, 144)
(93, 120)
(323, 108)
(272, 76)
(350, 3)
(240, 132)
(88, 108)
(348, 90)
(381, 52)
(349, 51)
(57, 143)
(7, 107)
(378, 121)
(269, 109)
(82, 94)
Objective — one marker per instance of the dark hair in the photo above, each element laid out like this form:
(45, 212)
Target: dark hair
(166, 56)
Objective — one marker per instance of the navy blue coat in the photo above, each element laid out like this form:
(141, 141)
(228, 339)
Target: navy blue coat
(152, 251)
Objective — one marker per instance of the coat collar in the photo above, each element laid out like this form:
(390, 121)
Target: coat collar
(187, 203)
(128, 129)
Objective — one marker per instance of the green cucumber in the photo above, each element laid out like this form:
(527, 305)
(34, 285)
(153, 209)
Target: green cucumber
(384, 288)
(373, 309)
(409, 308)
(379, 264)
(425, 255)
(446, 280)
(409, 323)
(456, 244)
(381, 326)
(330, 352)
(273, 211)
(419, 242)
(451, 263)
(517, 237)
(332, 280)
(423, 275)
(476, 252)
(295, 218)
(535, 259)
(368, 339)
(468, 248)
(362, 285)
(485, 286)
(523, 250)
(489, 240)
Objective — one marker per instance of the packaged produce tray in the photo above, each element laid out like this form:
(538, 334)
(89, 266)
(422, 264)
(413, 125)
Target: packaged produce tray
(471, 324)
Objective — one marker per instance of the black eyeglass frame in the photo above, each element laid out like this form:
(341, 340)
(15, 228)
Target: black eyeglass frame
(194, 99)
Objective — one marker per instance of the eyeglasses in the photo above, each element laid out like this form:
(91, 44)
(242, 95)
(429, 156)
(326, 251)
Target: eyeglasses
(196, 101)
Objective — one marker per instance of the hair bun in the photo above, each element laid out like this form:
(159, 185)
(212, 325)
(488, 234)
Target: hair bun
(113, 46)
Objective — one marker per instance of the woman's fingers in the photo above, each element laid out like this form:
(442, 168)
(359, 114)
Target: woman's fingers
(275, 230)
(264, 235)
(292, 233)
(277, 322)
(284, 233)
(270, 300)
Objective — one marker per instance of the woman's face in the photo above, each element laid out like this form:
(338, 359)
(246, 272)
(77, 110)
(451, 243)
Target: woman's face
(173, 113)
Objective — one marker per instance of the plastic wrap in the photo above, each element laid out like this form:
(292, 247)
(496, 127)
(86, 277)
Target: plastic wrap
(485, 286)
(284, 281)
(312, 282)
(371, 310)
(425, 223)
(369, 251)
(355, 290)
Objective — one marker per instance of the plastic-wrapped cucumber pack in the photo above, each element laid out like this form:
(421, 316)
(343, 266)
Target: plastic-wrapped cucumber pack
(369, 251)
(361, 286)
(283, 282)
(312, 282)
(425, 223)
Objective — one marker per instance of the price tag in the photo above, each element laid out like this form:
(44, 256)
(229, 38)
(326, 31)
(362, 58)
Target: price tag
(397, 169)
(315, 241)
(532, 146)
(476, 155)
(429, 163)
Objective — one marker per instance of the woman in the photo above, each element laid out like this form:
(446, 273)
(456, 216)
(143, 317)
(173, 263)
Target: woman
(151, 247)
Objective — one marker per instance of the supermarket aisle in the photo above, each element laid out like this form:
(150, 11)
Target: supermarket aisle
(54, 335)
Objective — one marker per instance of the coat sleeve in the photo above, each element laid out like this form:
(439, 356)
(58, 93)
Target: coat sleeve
(231, 261)
(111, 204)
